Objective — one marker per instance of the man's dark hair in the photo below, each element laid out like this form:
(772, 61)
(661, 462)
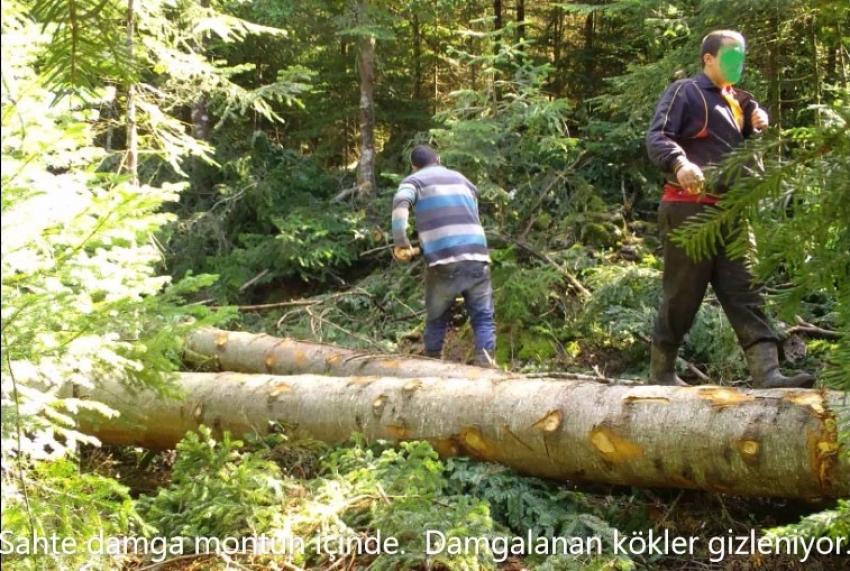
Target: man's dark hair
(714, 40)
(423, 156)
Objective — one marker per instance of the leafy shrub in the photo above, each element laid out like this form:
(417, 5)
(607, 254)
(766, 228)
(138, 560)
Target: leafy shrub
(623, 303)
(712, 342)
(622, 309)
(81, 510)
(81, 299)
(530, 506)
(311, 243)
(522, 295)
(404, 493)
(523, 504)
(268, 209)
(512, 140)
(216, 491)
(834, 523)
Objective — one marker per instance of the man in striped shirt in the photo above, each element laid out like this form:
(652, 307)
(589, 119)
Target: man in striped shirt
(454, 246)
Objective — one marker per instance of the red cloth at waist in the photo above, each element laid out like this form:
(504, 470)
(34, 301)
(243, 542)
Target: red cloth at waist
(678, 194)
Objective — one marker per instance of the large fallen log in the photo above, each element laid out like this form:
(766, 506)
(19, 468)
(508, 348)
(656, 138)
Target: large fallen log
(765, 443)
(219, 350)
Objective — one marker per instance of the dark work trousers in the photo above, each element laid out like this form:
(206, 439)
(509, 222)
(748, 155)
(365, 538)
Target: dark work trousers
(443, 283)
(685, 281)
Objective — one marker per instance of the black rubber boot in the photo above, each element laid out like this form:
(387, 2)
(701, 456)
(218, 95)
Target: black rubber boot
(763, 361)
(434, 354)
(485, 358)
(662, 366)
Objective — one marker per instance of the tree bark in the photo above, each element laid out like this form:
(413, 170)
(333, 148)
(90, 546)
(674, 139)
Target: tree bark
(780, 443)
(366, 67)
(218, 350)
(774, 92)
(132, 164)
(416, 27)
(201, 120)
(589, 47)
(520, 19)
(497, 18)
(202, 123)
(839, 51)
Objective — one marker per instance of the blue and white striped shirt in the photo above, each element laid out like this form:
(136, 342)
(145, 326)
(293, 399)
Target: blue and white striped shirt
(446, 209)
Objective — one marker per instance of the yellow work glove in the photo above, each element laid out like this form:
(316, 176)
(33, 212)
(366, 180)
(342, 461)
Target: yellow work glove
(405, 254)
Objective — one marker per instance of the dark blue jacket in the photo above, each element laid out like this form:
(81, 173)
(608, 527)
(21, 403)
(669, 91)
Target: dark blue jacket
(693, 119)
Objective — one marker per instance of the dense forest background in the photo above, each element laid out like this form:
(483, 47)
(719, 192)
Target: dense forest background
(169, 164)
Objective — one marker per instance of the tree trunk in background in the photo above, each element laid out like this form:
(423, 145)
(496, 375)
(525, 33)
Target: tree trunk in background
(780, 443)
(472, 45)
(839, 54)
(498, 38)
(132, 164)
(201, 123)
(416, 27)
(498, 24)
(832, 53)
(589, 46)
(366, 67)
(218, 350)
(520, 19)
(556, 25)
(816, 67)
(774, 94)
(201, 118)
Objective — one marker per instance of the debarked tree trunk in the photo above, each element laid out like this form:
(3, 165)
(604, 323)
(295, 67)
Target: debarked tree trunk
(219, 350)
(764, 443)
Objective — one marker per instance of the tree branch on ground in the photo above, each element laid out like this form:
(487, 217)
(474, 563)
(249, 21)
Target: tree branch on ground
(811, 330)
(573, 281)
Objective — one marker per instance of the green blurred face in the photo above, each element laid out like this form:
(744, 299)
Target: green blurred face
(730, 59)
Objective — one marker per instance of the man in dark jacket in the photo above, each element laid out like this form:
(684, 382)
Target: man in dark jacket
(698, 121)
(454, 246)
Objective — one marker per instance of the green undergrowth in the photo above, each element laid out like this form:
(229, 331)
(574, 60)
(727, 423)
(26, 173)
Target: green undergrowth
(404, 498)
(284, 501)
(543, 324)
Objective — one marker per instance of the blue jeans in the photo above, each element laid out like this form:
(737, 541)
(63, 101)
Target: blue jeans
(443, 283)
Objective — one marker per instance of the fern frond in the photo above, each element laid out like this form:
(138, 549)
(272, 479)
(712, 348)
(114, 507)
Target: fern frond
(88, 43)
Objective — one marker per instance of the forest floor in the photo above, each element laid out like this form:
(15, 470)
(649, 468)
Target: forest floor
(724, 526)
